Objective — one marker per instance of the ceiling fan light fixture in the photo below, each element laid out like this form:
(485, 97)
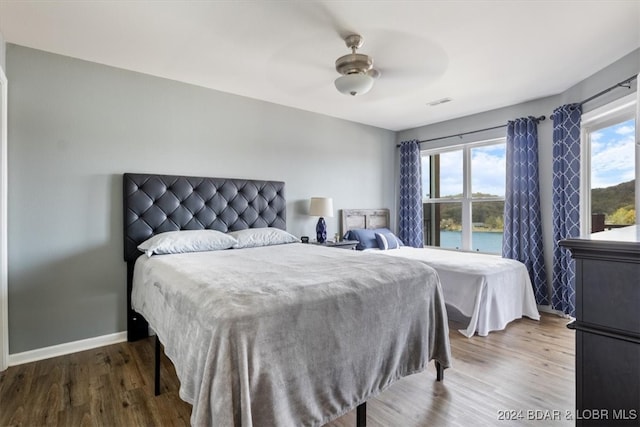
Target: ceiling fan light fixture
(354, 84)
(357, 69)
(354, 63)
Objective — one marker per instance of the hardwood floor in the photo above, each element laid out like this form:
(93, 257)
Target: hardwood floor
(524, 369)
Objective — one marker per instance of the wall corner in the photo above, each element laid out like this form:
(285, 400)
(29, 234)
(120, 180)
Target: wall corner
(3, 54)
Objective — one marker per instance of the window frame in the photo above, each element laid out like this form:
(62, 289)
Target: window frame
(467, 198)
(610, 114)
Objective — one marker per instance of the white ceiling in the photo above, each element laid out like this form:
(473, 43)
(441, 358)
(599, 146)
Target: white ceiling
(482, 54)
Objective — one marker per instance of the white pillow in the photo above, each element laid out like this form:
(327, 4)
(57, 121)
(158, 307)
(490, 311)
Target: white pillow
(175, 242)
(254, 237)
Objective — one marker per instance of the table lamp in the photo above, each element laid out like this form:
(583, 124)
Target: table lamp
(321, 206)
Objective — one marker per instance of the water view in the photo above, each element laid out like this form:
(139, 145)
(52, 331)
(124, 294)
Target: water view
(482, 241)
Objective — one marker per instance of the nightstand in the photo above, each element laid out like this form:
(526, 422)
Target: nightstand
(344, 244)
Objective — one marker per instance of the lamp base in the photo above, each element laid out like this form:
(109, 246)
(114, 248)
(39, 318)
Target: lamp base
(321, 230)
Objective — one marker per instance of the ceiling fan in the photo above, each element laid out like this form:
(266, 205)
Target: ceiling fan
(395, 72)
(357, 69)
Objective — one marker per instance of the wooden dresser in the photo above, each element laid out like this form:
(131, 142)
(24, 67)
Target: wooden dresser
(607, 327)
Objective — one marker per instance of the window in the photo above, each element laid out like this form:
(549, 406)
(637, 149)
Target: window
(610, 159)
(464, 196)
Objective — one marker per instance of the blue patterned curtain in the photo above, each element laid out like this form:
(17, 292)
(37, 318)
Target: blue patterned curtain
(566, 203)
(522, 239)
(411, 216)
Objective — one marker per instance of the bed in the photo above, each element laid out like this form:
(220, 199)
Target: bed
(484, 291)
(277, 333)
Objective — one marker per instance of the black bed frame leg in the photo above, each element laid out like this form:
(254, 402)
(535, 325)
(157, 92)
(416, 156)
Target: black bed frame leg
(361, 415)
(439, 371)
(157, 368)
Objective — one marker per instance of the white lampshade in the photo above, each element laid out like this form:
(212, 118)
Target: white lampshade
(321, 206)
(354, 84)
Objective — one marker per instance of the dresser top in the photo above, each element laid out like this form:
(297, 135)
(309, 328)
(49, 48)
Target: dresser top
(620, 243)
(629, 234)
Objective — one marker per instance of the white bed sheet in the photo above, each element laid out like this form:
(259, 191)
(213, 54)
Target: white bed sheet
(291, 334)
(489, 290)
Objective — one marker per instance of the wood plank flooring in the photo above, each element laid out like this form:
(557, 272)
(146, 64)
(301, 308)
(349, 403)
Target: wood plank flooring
(524, 369)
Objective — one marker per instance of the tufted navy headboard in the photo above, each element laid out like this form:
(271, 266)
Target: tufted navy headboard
(158, 203)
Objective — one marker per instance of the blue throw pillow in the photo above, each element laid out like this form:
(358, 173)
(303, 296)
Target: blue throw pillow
(387, 240)
(366, 237)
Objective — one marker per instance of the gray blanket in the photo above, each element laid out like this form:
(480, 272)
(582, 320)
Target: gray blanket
(293, 334)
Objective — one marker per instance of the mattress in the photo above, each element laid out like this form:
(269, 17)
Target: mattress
(292, 334)
(489, 290)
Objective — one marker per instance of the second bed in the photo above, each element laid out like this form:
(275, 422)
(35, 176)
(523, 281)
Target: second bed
(488, 291)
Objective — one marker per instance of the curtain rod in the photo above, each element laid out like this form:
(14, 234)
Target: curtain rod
(460, 135)
(624, 83)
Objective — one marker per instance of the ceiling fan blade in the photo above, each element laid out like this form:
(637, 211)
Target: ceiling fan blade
(321, 15)
(399, 51)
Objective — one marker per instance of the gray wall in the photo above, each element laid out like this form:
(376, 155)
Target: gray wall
(76, 126)
(618, 71)
(3, 53)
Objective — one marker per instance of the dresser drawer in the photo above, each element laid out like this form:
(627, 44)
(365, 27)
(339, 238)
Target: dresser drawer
(607, 381)
(608, 294)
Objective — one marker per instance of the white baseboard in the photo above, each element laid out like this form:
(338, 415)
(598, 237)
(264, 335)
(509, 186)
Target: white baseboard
(66, 348)
(548, 309)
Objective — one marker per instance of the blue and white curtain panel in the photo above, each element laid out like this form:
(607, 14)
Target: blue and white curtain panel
(566, 203)
(522, 239)
(410, 214)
